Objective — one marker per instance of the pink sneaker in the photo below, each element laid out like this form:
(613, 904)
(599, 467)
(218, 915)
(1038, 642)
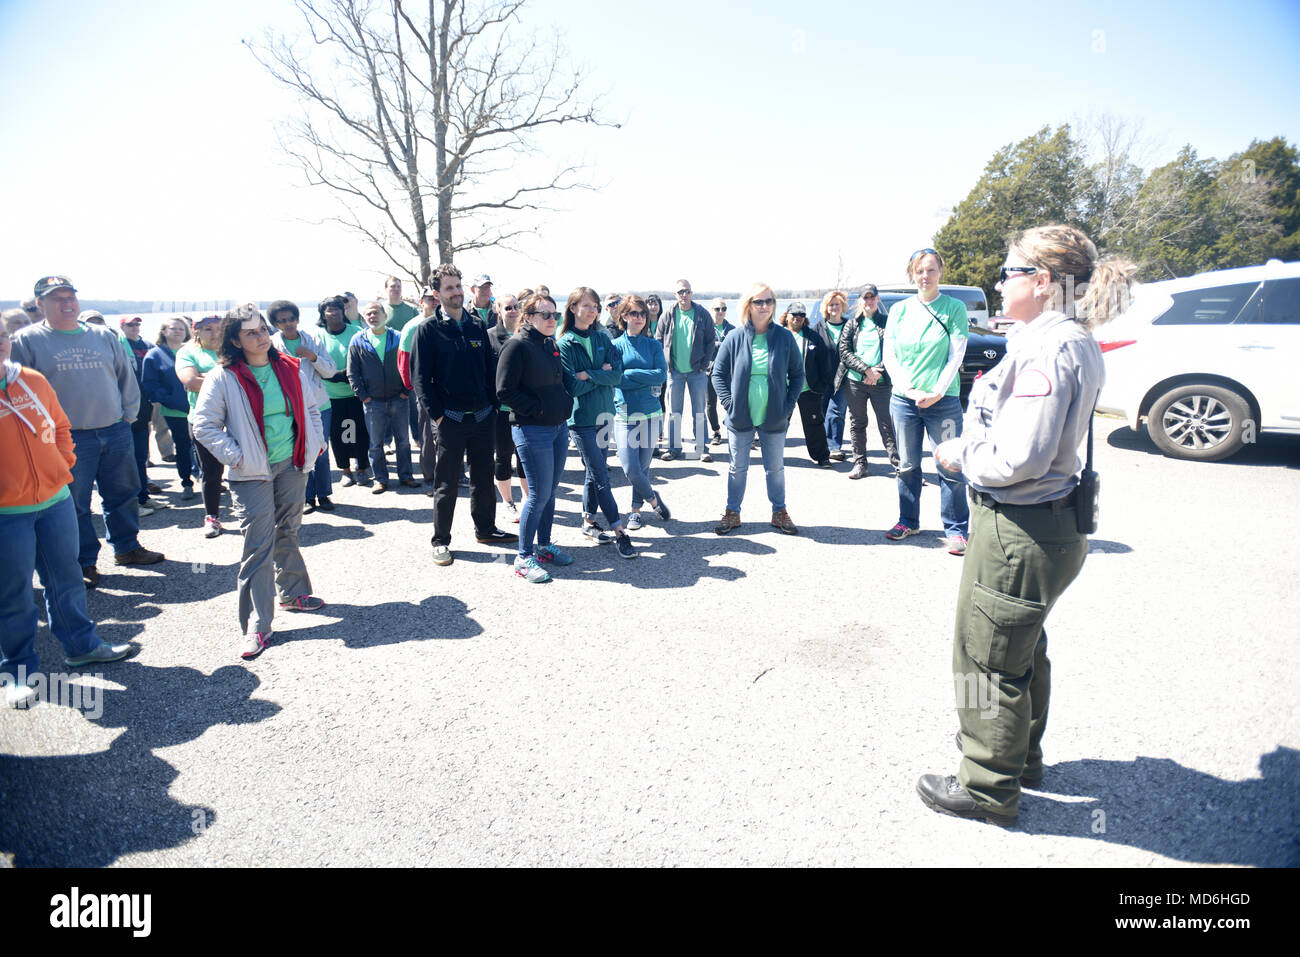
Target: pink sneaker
(255, 644)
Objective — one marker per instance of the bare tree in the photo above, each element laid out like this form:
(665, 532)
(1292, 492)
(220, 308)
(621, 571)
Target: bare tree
(422, 121)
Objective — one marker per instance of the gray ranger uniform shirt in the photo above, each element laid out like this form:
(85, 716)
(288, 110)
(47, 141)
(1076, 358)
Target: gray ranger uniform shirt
(1029, 413)
(89, 369)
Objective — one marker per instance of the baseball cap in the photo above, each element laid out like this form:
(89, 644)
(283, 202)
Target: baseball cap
(429, 293)
(797, 309)
(126, 319)
(48, 284)
(870, 289)
(482, 279)
(88, 314)
(206, 320)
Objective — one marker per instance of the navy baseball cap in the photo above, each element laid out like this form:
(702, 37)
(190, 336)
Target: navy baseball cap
(48, 284)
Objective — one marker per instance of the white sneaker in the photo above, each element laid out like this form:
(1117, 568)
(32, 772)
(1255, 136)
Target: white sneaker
(20, 696)
(633, 521)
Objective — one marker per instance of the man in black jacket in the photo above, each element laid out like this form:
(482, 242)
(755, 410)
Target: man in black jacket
(453, 370)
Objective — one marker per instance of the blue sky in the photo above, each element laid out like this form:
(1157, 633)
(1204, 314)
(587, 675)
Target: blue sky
(792, 143)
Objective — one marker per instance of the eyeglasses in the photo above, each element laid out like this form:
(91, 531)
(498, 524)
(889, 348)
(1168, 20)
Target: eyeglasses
(763, 302)
(514, 308)
(636, 314)
(544, 316)
(927, 251)
(719, 308)
(683, 292)
(1023, 270)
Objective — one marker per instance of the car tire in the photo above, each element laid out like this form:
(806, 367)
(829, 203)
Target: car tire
(1199, 421)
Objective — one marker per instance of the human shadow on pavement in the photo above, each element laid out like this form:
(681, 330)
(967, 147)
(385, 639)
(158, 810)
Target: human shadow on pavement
(436, 618)
(1159, 805)
(683, 561)
(88, 810)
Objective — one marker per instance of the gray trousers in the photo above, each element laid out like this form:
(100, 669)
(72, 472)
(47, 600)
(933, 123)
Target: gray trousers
(272, 517)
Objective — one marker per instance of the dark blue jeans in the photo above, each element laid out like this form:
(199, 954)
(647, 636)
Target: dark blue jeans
(140, 442)
(835, 405)
(383, 415)
(318, 480)
(106, 456)
(941, 421)
(542, 450)
(596, 493)
(47, 542)
(187, 464)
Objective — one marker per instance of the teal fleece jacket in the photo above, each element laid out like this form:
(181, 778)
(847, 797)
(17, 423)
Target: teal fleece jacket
(593, 397)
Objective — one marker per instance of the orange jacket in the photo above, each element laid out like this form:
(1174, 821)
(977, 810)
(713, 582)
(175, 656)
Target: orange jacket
(36, 452)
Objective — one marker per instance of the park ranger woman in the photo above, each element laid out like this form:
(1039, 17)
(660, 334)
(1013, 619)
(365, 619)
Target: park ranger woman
(1019, 453)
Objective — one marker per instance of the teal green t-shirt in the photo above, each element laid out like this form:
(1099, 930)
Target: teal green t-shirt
(758, 385)
(399, 315)
(683, 339)
(869, 348)
(337, 347)
(835, 331)
(379, 342)
(921, 339)
(277, 417)
(194, 356)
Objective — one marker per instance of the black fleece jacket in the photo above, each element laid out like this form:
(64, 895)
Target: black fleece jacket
(452, 366)
(530, 379)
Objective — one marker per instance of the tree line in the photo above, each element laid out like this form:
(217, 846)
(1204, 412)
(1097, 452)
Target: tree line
(1190, 215)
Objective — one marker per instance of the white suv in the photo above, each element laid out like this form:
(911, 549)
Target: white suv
(1209, 361)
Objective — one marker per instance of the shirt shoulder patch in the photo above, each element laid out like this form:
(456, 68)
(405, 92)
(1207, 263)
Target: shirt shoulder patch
(1032, 384)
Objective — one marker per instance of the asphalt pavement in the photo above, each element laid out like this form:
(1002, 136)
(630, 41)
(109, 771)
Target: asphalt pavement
(755, 699)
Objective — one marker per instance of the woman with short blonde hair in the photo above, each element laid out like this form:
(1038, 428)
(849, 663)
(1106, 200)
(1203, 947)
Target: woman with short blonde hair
(758, 375)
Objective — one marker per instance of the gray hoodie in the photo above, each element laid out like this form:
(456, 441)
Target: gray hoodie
(89, 370)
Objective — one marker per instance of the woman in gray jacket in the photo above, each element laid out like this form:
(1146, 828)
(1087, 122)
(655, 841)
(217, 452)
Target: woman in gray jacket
(255, 415)
(758, 374)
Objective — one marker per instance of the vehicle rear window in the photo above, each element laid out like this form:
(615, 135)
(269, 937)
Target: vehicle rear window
(1281, 304)
(1215, 306)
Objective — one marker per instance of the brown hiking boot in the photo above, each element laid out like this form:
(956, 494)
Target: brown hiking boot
(782, 521)
(729, 521)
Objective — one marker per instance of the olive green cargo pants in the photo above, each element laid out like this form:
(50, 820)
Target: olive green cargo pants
(1019, 561)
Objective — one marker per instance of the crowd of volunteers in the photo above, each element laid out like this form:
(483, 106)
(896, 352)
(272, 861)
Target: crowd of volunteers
(495, 389)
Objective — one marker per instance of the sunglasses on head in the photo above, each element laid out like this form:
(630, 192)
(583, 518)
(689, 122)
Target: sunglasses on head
(927, 251)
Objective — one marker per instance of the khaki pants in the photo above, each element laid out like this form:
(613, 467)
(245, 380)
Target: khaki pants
(272, 560)
(162, 436)
(1019, 561)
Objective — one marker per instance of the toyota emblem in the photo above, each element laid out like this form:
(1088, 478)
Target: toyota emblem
(990, 353)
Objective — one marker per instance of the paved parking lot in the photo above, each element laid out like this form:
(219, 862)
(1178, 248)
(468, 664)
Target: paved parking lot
(756, 699)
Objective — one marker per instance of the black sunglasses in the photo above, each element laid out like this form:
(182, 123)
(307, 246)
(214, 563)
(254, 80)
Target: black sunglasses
(927, 251)
(1024, 270)
(762, 302)
(719, 308)
(636, 314)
